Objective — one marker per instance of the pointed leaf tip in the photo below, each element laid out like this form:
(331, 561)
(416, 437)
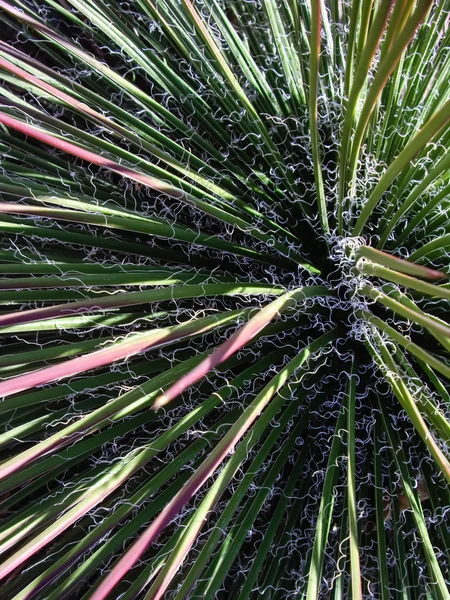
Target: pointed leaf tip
(160, 402)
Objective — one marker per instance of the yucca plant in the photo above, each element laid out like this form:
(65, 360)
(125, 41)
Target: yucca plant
(224, 254)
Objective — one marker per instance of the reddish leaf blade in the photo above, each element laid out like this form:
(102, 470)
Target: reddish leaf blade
(239, 339)
(398, 264)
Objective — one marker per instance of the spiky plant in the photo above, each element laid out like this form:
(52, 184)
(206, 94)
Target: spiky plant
(225, 355)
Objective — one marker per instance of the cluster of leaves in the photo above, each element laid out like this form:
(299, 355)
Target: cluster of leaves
(224, 252)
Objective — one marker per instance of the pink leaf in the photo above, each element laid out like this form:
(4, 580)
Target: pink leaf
(96, 159)
(398, 264)
(239, 339)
